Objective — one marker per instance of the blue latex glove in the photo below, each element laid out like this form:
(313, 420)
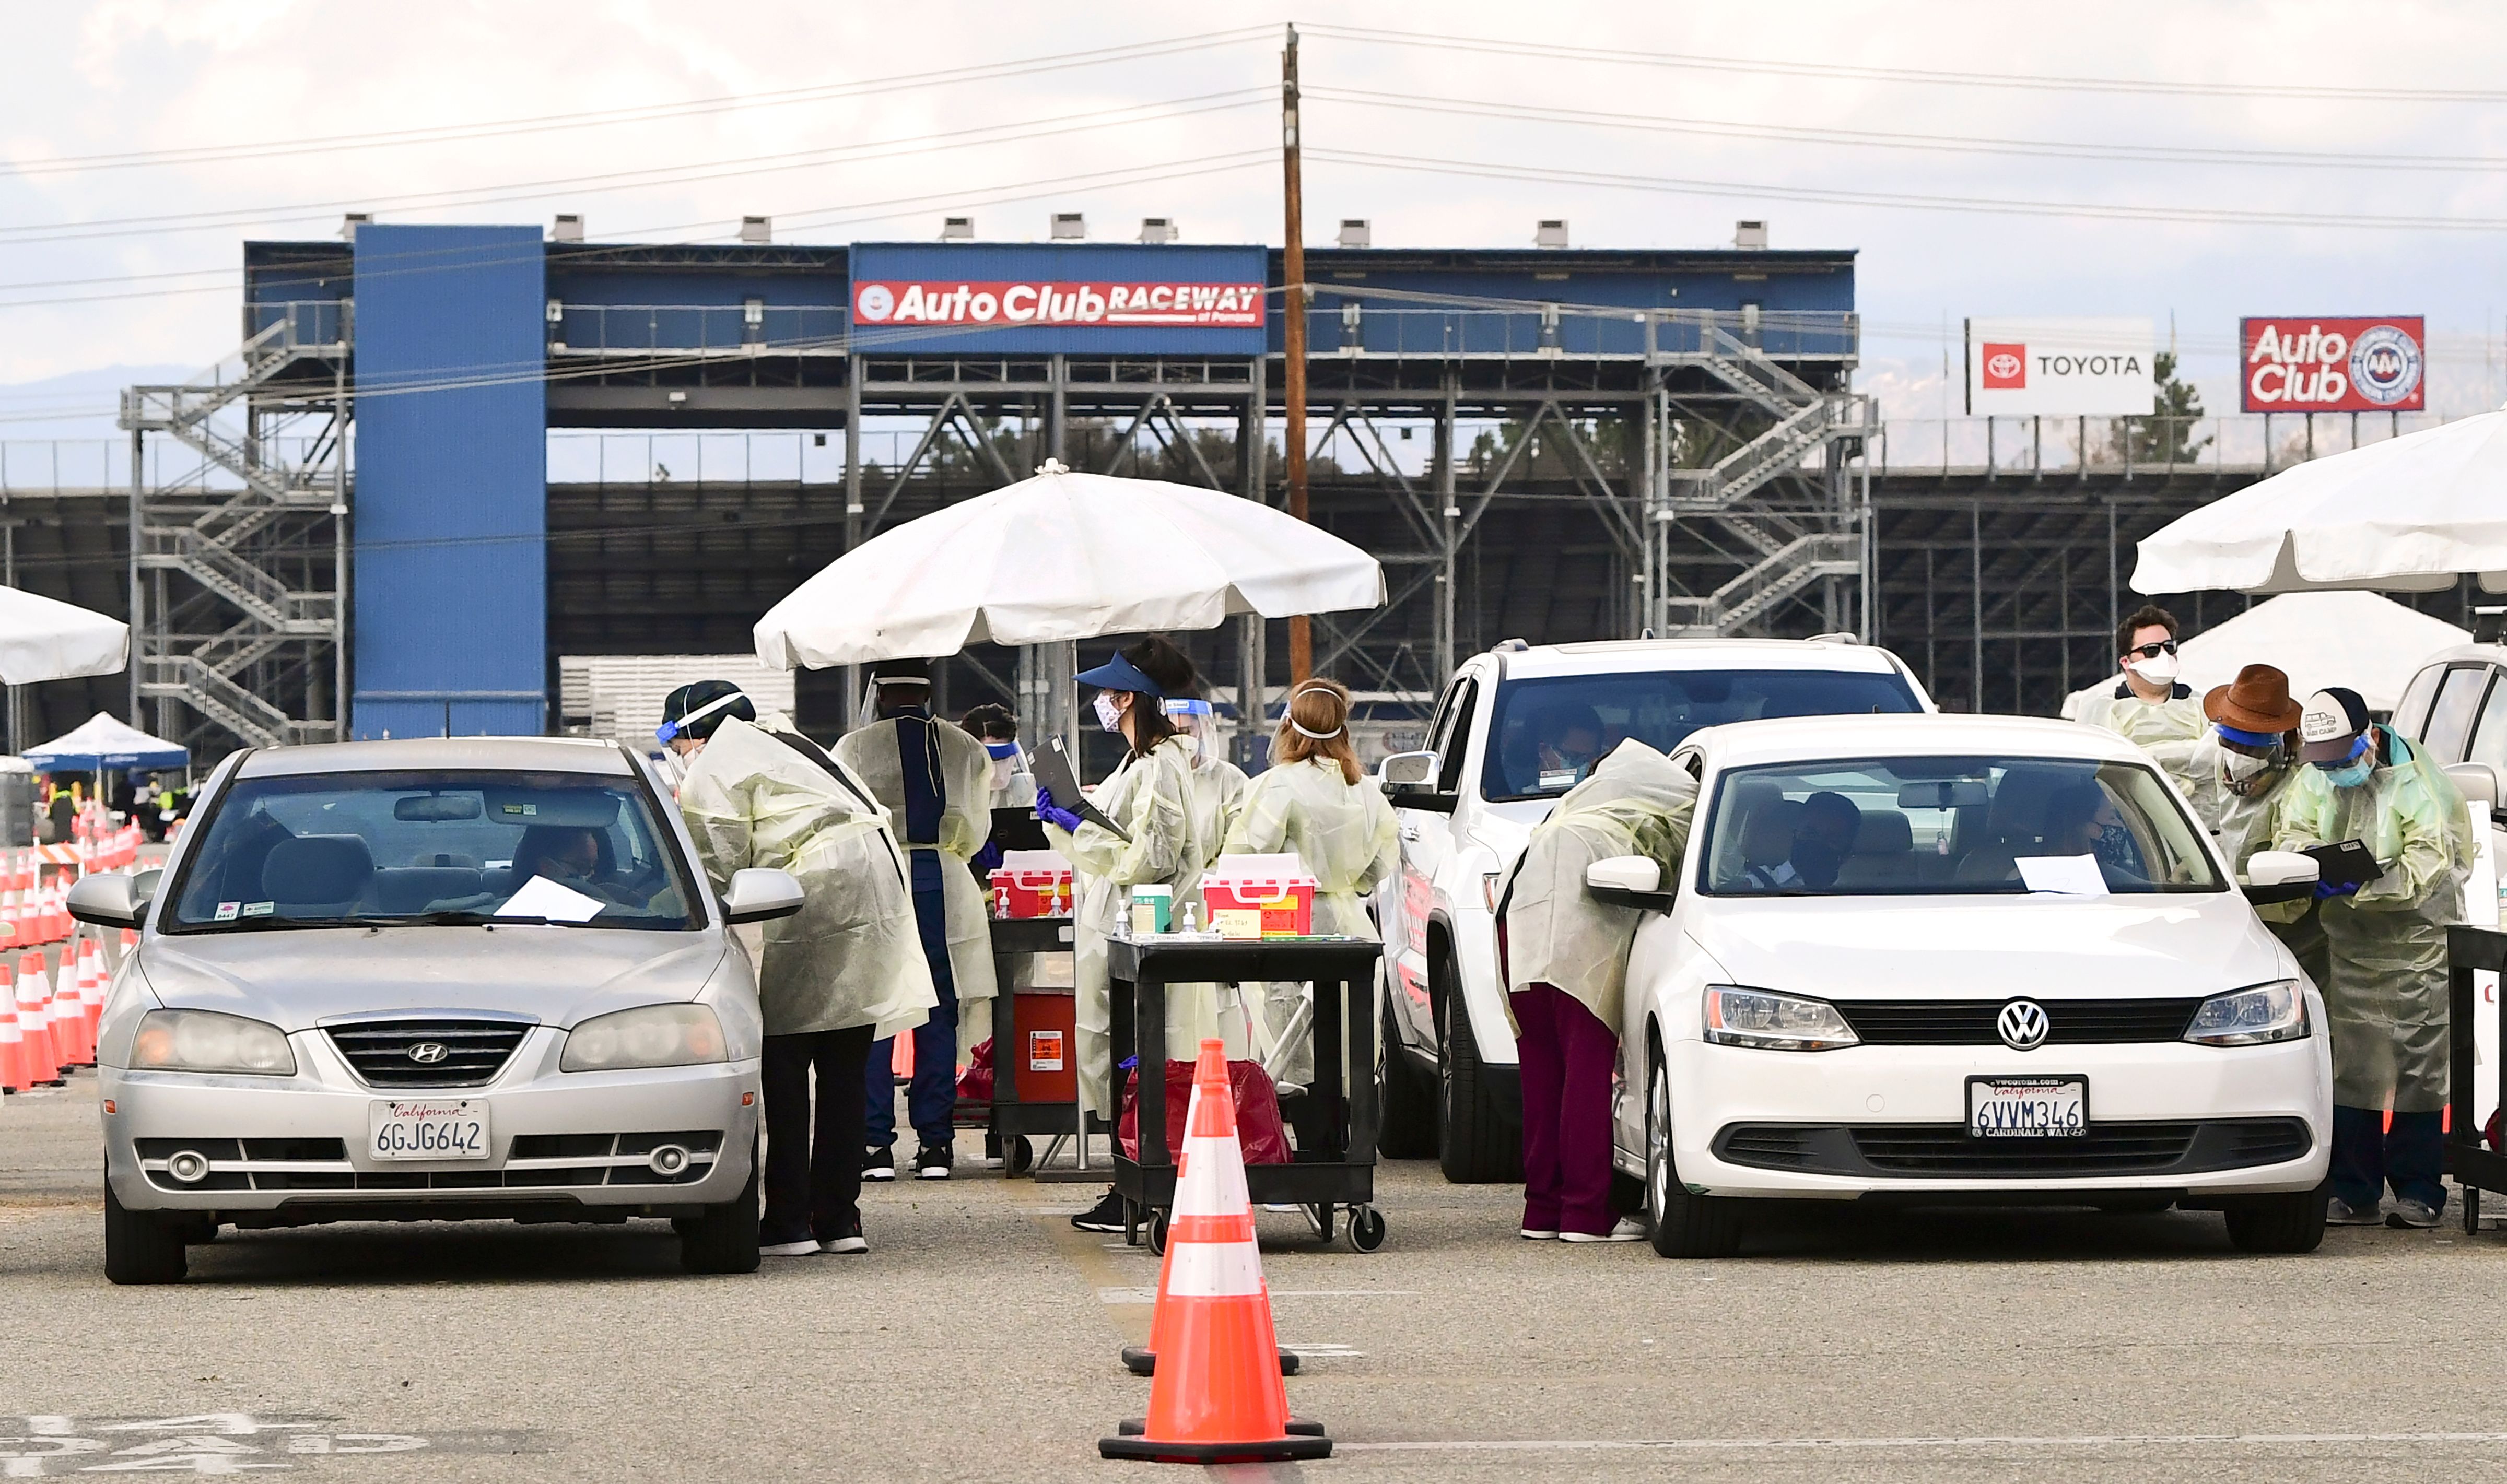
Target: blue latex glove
(2326, 888)
(989, 859)
(1054, 814)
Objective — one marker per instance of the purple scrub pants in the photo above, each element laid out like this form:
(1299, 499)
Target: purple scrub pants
(1568, 1057)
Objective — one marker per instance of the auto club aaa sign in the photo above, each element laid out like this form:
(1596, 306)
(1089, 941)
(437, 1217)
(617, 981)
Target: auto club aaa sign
(2313, 365)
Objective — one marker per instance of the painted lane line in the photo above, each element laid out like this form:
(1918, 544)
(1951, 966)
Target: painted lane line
(1815, 1444)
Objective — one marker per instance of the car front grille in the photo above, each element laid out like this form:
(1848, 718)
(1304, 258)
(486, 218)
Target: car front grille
(1972, 1022)
(532, 1161)
(474, 1050)
(1946, 1152)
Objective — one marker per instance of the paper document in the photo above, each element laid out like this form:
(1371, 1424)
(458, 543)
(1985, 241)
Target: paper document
(541, 897)
(2066, 875)
(1051, 766)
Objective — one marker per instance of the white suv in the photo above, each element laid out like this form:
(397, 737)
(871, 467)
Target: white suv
(1518, 727)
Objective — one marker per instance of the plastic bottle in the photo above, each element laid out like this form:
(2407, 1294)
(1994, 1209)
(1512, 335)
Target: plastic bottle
(1192, 917)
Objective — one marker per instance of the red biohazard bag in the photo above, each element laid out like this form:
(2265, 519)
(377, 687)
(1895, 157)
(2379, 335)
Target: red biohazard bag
(1257, 1112)
(976, 1083)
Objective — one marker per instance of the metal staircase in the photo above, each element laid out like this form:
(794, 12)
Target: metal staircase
(237, 558)
(1764, 505)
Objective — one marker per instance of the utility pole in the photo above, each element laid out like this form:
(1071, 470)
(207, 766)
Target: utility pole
(1292, 301)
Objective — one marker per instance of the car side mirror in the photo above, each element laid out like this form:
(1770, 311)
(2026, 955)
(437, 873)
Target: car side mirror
(1627, 881)
(2479, 785)
(114, 901)
(2280, 876)
(759, 895)
(1406, 770)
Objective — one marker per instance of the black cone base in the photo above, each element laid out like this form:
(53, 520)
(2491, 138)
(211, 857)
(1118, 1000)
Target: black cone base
(1144, 1362)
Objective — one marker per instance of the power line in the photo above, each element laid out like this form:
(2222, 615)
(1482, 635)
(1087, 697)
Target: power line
(1931, 76)
(1989, 206)
(597, 118)
(2159, 153)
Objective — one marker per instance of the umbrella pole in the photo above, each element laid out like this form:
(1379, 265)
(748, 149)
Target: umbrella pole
(1301, 641)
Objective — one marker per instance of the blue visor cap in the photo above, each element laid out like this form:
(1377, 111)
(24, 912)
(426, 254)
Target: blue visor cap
(1002, 749)
(1120, 674)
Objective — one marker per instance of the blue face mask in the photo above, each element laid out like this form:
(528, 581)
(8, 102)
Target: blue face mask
(2351, 775)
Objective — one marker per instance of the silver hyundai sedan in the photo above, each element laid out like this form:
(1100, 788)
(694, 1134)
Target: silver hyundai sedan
(474, 978)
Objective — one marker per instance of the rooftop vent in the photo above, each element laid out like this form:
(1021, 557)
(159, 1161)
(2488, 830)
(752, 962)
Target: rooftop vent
(957, 228)
(1158, 229)
(757, 229)
(568, 228)
(1749, 234)
(349, 224)
(1357, 232)
(1070, 226)
(1550, 234)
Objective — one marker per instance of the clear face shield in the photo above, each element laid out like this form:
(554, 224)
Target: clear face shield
(904, 691)
(1196, 720)
(1007, 762)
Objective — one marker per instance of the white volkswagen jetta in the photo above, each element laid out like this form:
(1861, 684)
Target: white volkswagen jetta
(1942, 959)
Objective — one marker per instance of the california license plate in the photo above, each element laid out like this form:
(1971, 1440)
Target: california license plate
(2028, 1108)
(432, 1128)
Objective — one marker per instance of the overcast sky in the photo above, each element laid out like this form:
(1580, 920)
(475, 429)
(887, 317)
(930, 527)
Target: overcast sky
(2392, 203)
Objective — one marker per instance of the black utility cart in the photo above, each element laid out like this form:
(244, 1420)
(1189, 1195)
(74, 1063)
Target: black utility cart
(1333, 1173)
(2475, 1166)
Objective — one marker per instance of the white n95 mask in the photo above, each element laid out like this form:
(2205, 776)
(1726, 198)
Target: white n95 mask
(2159, 671)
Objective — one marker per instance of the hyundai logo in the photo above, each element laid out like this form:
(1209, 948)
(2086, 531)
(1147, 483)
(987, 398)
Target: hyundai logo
(428, 1052)
(2022, 1024)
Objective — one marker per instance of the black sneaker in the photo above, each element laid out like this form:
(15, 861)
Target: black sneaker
(931, 1162)
(1106, 1215)
(879, 1163)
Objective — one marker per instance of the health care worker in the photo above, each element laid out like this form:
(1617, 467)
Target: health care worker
(1566, 972)
(1314, 801)
(1152, 797)
(935, 782)
(2386, 996)
(842, 972)
(1014, 786)
(2237, 769)
(1218, 787)
(2150, 706)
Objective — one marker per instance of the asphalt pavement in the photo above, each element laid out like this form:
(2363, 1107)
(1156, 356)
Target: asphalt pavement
(978, 1341)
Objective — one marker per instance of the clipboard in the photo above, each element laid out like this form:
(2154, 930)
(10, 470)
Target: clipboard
(1051, 766)
(2348, 863)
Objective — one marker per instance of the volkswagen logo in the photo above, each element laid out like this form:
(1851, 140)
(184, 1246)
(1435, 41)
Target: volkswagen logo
(428, 1052)
(2022, 1024)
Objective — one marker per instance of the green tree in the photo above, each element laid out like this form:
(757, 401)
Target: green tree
(2166, 435)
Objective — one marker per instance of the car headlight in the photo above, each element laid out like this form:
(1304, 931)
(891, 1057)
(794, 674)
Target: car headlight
(1773, 1022)
(204, 1040)
(2268, 1012)
(655, 1036)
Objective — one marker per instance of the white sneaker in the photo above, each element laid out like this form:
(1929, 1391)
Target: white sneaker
(807, 1248)
(1629, 1229)
(846, 1246)
(2341, 1213)
(1536, 1234)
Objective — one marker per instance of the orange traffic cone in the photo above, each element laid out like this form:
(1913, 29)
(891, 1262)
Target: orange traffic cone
(92, 991)
(1217, 1397)
(67, 1012)
(13, 1051)
(43, 1060)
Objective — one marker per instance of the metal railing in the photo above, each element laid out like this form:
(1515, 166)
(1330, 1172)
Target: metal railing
(2252, 443)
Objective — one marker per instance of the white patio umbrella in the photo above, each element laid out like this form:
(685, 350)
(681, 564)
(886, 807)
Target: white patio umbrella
(42, 639)
(1065, 557)
(2408, 515)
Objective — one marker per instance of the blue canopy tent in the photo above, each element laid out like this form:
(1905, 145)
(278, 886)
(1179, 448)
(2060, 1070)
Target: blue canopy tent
(101, 744)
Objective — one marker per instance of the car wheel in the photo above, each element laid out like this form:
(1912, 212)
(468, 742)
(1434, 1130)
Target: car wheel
(1404, 1098)
(141, 1246)
(1477, 1142)
(1686, 1224)
(723, 1239)
(2293, 1223)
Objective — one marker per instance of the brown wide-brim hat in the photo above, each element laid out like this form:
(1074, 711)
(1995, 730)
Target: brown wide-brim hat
(2257, 701)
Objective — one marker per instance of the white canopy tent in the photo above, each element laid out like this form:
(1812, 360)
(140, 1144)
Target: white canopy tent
(2408, 515)
(1065, 557)
(43, 638)
(2366, 641)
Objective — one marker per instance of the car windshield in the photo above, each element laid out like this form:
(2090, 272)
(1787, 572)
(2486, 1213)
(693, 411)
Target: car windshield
(1547, 732)
(359, 848)
(1941, 826)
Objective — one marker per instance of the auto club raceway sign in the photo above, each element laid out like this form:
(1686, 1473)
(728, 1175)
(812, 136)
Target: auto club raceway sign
(1116, 305)
(2334, 365)
(40, 1447)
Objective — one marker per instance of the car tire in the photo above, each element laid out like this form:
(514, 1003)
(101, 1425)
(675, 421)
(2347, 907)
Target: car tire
(2293, 1223)
(1684, 1225)
(141, 1246)
(723, 1239)
(1478, 1144)
(1406, 1099)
